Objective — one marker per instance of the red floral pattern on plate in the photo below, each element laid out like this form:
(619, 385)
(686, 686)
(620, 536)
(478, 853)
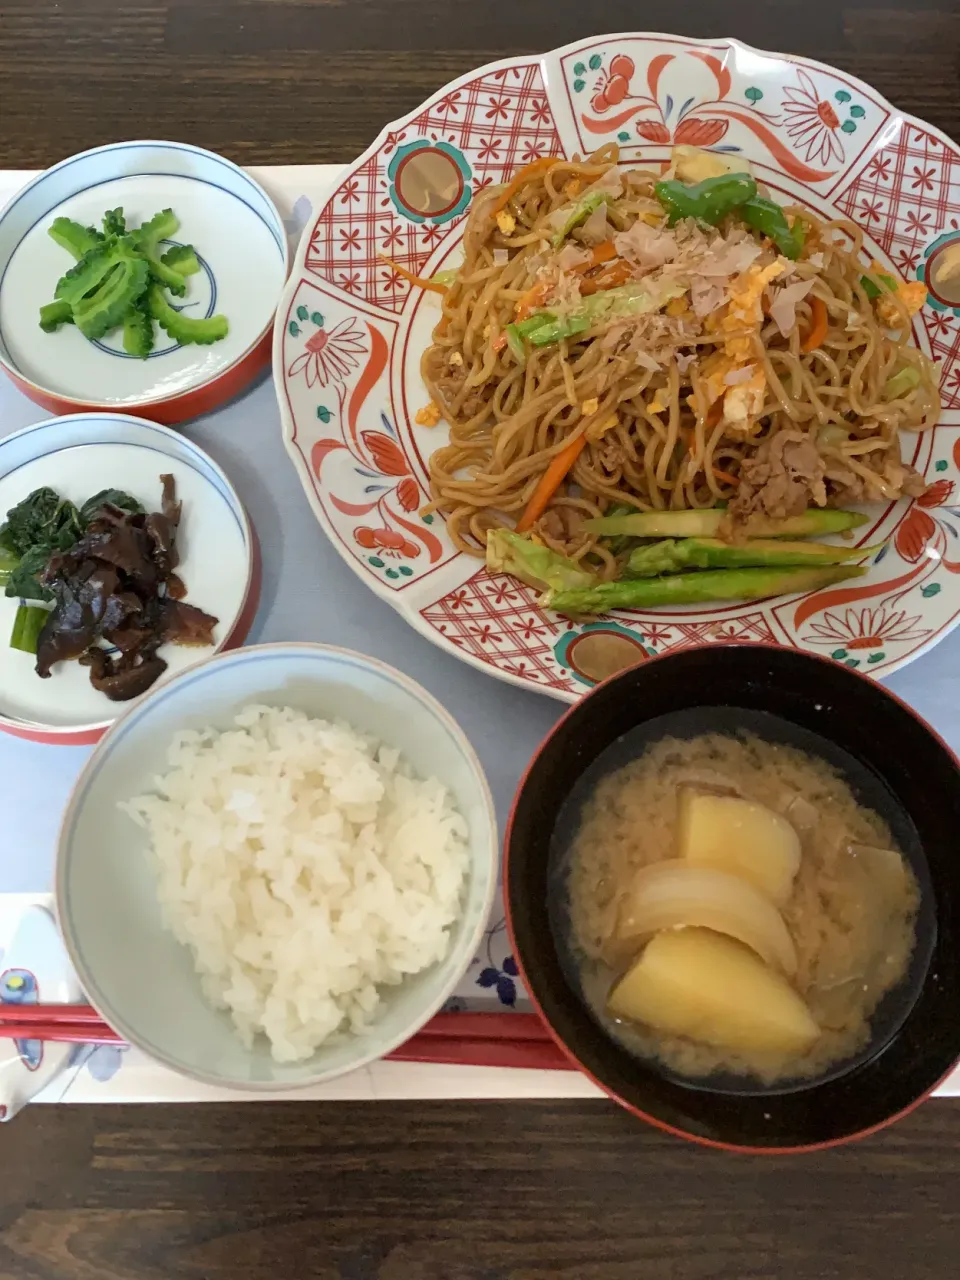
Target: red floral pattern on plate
(658, 95)
(499, 120)
(906, 194)
(346, 396)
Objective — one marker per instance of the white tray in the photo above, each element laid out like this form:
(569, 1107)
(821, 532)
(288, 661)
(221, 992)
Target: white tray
(303, 578)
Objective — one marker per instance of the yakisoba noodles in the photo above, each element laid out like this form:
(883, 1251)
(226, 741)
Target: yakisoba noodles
(695, 364)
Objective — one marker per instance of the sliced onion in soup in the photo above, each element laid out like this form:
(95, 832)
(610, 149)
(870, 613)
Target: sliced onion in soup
(676, 894)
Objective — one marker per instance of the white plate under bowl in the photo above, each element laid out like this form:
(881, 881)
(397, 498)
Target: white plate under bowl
(239, 238)
(219, 562)
(134, 971)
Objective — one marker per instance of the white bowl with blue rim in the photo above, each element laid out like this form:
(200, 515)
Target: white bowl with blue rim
(78, 456)
(242, 247)
(133, 970)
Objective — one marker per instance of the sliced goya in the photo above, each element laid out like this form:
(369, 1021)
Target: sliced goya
(106, 307)
(114, 223)
(54, 314)
(72, 236)
(94, 266)
(138, 329)
(147, 240)
(182, 328)
(182, 258)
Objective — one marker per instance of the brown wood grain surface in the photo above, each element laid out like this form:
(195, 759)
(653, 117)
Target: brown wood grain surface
(312, 81)
(460, 1191)
(429, 1191)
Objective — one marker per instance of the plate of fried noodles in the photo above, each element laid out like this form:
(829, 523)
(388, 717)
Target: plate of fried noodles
(647, 343)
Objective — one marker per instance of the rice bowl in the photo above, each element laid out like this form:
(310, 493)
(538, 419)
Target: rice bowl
(306, 867)
(144, 981)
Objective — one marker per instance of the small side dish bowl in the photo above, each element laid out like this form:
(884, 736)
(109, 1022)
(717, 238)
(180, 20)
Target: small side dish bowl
(243, 256)
(896, 756)
(79, 456)
(134, 971)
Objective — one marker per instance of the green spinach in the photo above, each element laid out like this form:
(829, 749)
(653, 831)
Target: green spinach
(41, 525)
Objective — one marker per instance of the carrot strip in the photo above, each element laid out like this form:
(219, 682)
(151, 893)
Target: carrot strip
(818, 329)
(615, 275)
(519, 179)
(550, 482)
(531, 300)
(725, 476)
(714, 414)
(422, 281)
(602, 253)
(499, 342)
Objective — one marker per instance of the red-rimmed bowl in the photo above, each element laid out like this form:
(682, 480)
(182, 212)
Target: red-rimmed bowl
(242, 247)
(78, 456)
(909, 773)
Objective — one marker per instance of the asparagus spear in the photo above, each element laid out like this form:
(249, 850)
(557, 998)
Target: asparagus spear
(533, 563)
(695, 588)
(706, 524)
(620, 543)
(672, 555)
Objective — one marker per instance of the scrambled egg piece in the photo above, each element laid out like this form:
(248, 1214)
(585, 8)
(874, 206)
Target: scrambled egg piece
(714, 370)
(597, 430)
(590, 407)
(573, 187)
(506, 222)
(455, 358)
(743, 402)
(912, 295)
(429, 415)
(744, 310)
(656, 405)
(677, 307)
(693, 164)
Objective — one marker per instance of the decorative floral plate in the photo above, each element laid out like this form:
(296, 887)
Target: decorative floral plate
(350, 331)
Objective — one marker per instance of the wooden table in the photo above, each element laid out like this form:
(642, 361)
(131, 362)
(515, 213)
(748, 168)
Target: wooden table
(446, 1191)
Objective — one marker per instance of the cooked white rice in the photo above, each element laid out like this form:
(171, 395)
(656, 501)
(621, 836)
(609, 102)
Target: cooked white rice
(307, 869)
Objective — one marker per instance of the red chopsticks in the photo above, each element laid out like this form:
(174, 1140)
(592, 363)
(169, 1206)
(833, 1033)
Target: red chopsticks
(461, 1039)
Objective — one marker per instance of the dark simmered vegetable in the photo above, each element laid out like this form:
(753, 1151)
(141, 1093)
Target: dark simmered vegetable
(108, 568)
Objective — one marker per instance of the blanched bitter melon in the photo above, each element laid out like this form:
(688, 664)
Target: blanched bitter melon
(119, 279)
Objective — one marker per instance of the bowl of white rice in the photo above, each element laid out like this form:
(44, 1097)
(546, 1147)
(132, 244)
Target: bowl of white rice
(277, 867)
